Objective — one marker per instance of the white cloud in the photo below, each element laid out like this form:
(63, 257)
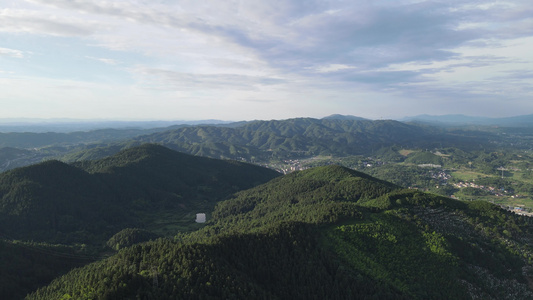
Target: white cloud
(35, 22)
(108, 61)
(333, 68)
(167, 79)
(11, 53)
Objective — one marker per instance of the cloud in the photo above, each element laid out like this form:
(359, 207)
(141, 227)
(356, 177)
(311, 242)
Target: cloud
(96, 7)
(332, 68)
(108, 61)
(168, 79)
(11, 53)
(134, 11)
(295, 34)
(34, 22)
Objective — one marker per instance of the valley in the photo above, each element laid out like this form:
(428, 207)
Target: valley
(466, 182)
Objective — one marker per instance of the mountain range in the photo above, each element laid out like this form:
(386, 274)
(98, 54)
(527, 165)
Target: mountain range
(323, 233)
(71, 125)
(259, 142)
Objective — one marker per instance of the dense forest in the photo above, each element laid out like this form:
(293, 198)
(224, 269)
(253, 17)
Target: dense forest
(327, 232)
(92, 200)
(76, 209)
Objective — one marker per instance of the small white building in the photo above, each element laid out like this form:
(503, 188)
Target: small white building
(200, 218)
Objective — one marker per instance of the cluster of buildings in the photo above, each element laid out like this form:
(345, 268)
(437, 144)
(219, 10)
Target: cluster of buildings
(441, 176)
(519, 210)
(495, 191)
(291, 165)
(370, 162)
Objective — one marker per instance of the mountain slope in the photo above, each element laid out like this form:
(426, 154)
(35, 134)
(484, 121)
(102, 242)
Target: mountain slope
(24, 267)
(324, 233)
(318, 195)
(122, 199)
(264, 140)
(90, 201)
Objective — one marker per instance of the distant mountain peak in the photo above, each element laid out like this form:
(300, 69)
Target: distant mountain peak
(343, 117)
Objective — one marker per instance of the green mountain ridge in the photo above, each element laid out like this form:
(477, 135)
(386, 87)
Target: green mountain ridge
(115, 191)
(293, 138)
(258, 141)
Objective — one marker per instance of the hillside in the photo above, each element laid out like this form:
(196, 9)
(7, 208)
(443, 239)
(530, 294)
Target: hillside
(90, 201)
(55, 216)
(18, 149)
(262, 141)
(11, 158)
(324, 233)
(26, 266)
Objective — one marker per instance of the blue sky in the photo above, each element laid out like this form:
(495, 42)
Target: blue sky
(244, 60)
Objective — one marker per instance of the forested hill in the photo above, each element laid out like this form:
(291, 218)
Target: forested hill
(90, 201)
(262, 140)
(55, 216)
(323, 233)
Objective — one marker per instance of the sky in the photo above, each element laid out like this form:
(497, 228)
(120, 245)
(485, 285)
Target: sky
(257, 59)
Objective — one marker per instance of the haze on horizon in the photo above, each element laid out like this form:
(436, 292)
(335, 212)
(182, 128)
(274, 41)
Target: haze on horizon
(243, 60)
